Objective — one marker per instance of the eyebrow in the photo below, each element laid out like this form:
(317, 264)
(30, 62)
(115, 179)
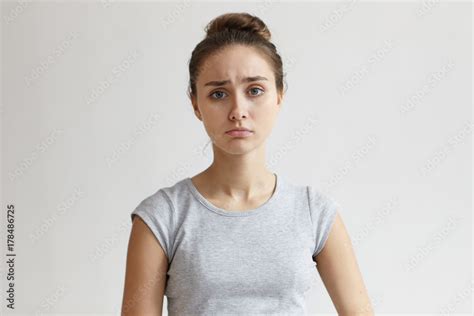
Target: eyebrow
(224, 82)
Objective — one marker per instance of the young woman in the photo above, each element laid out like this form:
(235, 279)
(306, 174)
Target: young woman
(238, 238)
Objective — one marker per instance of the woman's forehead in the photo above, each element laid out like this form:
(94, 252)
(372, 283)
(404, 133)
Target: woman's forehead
(235, 65)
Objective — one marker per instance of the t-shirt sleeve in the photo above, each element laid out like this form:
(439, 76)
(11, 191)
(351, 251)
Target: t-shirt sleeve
(158, 213)
(323, 210)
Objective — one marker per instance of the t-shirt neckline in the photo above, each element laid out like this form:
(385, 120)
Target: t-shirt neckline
(266, 205)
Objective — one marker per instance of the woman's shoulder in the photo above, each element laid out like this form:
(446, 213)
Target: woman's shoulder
(316, 195)
(166, 193)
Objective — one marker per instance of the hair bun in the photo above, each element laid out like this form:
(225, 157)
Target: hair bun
(240, 22)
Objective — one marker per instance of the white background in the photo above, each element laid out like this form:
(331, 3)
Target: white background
(95, 117)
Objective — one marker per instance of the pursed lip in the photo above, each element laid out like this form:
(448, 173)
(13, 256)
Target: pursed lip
(239, 129)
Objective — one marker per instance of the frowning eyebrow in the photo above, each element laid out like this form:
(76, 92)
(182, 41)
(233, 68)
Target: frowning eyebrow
(224, 82)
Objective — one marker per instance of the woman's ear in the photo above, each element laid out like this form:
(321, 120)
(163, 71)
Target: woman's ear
(280, 98)
(198, 114)
(196, 108)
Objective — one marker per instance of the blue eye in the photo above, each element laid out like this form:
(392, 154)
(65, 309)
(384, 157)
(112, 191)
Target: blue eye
(256, 89)
(215, 93)
(212, 95)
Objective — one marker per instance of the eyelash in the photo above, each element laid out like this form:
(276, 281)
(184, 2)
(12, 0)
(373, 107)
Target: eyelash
(263, 91)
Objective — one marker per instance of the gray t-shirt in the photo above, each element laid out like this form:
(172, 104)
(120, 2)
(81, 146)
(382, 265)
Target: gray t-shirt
(254, 262)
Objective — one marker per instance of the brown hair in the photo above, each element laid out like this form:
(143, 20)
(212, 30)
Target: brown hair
(234, 28)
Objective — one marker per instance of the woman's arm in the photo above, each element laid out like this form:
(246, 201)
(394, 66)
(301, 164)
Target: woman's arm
(339, 271)
(145, 277)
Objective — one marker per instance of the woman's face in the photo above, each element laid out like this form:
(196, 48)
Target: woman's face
(236, 88)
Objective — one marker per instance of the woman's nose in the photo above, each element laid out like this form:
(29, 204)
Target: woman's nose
(239, 108)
